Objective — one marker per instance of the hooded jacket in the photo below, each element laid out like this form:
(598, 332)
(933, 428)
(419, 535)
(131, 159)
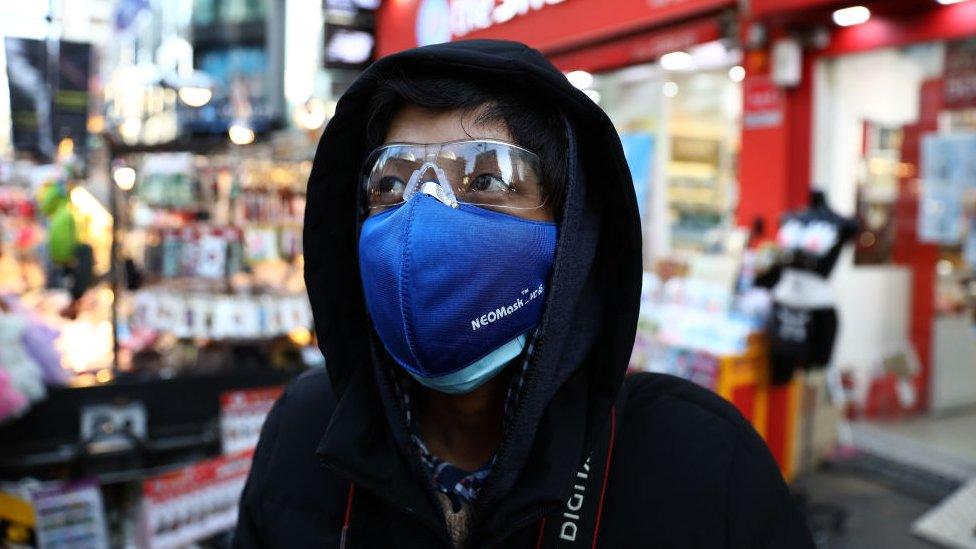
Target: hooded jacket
(679, 467)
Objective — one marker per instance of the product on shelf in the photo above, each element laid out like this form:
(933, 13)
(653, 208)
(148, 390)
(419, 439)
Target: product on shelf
(53, 514)
(213, 246)
(193, 503)
(219, 316)
(242, 414)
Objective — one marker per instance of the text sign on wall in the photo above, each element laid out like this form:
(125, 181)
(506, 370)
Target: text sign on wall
(763, 103)
(471, 15)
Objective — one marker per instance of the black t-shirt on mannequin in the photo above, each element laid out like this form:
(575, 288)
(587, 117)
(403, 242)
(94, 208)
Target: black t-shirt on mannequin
(814, 237)
(804, 321)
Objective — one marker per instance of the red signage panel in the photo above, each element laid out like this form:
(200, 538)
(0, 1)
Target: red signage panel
(548, 25)
(763, 8)
(642, 48)
(885, 31)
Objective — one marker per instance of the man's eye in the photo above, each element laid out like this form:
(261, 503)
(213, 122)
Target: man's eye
(390, 184)
(488, 182)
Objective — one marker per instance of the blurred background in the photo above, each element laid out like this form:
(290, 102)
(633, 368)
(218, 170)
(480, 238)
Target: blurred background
(806, 171)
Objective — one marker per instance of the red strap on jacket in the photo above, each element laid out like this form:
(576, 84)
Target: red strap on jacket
(348, 518)
(603, 486)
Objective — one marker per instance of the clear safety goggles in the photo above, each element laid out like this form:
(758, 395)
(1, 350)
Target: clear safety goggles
(481, 172)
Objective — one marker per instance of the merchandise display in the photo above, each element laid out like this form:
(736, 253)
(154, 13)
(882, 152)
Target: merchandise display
(688, 325)
(212, 247)
(804, 320)
(242, 414)
(53, 514)
(193, 503)
(152, 300)
(49, 301)
(680, 132)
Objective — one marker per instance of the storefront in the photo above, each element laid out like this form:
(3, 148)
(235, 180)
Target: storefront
(887, 105)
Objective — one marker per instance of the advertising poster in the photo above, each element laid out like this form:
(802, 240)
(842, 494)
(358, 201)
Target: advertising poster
(70, 515)
(30, 98)
(639, 152)
(71, 100)
(186, 505)
(40, 119)
(948, 170)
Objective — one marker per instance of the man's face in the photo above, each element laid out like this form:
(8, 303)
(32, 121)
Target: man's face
(413, 124)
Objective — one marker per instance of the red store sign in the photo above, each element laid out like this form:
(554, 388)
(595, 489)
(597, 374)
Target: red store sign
(548, 25)
(762, 8)
(642, 48)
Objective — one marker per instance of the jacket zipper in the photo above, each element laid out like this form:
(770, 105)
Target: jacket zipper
(506, 442)
(440, 528)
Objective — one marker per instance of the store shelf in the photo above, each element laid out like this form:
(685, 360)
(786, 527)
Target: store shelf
(47, 441)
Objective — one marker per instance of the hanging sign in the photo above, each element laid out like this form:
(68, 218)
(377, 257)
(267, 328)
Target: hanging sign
(30, 98)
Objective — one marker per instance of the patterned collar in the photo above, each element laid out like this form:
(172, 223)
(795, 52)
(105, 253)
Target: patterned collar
(461, 487)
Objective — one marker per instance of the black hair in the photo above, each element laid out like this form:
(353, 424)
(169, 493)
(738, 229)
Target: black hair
(535, 124)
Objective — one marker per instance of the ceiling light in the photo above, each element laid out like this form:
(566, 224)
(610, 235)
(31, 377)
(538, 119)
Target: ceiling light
(670, 89)
(737, 73)
(125, 177)
(676, 61)
(580, 79)
(195, 96)
(593, 94)
(947, 2)
(854, 15)
(240, 134)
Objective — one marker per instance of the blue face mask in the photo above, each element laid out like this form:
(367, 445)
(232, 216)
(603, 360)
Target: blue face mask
(452, 291)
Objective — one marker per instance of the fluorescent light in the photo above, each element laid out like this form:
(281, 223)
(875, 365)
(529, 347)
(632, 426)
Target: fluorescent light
(195, 96)
(125, 177)
(670, 89)
(737, 73)
(948, 2)
(593, 94)
(580, 79)
(854, 15)
(240, 134)
(676, 61)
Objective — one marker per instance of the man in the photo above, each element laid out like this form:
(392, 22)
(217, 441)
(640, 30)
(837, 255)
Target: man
(473, 261)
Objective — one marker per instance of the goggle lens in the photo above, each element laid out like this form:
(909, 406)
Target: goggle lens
(493, 174)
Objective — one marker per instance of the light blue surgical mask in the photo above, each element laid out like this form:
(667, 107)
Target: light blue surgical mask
(476, 374)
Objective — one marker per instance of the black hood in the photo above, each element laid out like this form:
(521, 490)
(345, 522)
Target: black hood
(586, 333)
